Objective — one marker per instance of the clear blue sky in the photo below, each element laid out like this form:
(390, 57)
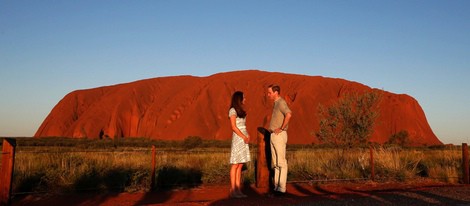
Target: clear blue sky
(50, 48)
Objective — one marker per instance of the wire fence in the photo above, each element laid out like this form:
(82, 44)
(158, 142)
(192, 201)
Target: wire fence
(181, 168)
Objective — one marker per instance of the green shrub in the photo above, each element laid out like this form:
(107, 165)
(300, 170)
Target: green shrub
(192, 142)
(401, 138)
(348, 122)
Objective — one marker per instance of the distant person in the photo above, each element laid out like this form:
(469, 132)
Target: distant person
(278, 126)
(240, 152)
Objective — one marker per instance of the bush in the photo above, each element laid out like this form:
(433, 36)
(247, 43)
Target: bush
(192, 142)
(348, 123)
(401, 138)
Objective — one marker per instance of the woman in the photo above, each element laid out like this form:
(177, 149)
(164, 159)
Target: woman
(240, 152)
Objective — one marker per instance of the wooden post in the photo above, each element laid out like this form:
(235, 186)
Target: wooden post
(262, 170)
(465, 169)
(372, 166)
(152, 184)
(6, 173)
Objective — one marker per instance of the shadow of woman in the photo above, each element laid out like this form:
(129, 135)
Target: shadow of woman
(168, 179)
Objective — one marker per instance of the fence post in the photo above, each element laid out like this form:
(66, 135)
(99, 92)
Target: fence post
(6, 173)
(152, 183)
(372, 166)
(262, 171)
(465, 169)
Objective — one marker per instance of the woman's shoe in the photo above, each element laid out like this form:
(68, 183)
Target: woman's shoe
(234, 195)
(237, 195)
(240, 194)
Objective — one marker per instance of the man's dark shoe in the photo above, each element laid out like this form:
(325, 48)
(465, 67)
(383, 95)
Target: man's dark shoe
(280, 194)
(277, 194)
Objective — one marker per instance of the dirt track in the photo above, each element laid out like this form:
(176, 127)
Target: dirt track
(367, 193)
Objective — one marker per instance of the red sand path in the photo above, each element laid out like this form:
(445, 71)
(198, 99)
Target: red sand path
(367, 193)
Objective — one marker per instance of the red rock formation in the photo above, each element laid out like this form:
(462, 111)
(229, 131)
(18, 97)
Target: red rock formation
(173, 108)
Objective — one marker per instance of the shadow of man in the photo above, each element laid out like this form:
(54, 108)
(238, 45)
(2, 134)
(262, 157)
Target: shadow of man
(264, 173)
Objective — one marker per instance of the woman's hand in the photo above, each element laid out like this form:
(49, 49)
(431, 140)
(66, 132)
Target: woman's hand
(246, 139)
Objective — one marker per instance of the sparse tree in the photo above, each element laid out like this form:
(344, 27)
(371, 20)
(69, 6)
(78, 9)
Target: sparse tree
(349, 121)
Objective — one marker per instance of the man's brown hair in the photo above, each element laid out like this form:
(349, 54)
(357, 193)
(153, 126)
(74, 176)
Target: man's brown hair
(275, 88)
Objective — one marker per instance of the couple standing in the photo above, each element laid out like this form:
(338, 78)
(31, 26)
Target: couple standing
(240, 153)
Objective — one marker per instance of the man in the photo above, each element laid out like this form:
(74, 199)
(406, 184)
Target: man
(278, 127)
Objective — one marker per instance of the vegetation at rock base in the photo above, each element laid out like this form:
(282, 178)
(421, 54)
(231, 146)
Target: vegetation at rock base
(349, 122)
(401, 138)
(122, 167)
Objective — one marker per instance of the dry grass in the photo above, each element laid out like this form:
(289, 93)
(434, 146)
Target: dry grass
(68, 171)
(74, 171)
(396, 163)
(59, 169)
(445, 165)
(392, 163)
(321, 164)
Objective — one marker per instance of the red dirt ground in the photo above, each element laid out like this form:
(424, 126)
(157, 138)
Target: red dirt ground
(365, 193)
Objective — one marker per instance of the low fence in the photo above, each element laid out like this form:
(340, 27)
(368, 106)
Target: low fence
(262, 171)
(6, 171)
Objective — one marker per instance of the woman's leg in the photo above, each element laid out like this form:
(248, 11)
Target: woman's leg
(239, 180)
(239, 176)
(233, 179)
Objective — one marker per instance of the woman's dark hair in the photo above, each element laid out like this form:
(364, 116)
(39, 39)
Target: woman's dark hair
(237, 99)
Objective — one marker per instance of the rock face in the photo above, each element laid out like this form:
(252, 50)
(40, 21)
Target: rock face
(173, 108)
